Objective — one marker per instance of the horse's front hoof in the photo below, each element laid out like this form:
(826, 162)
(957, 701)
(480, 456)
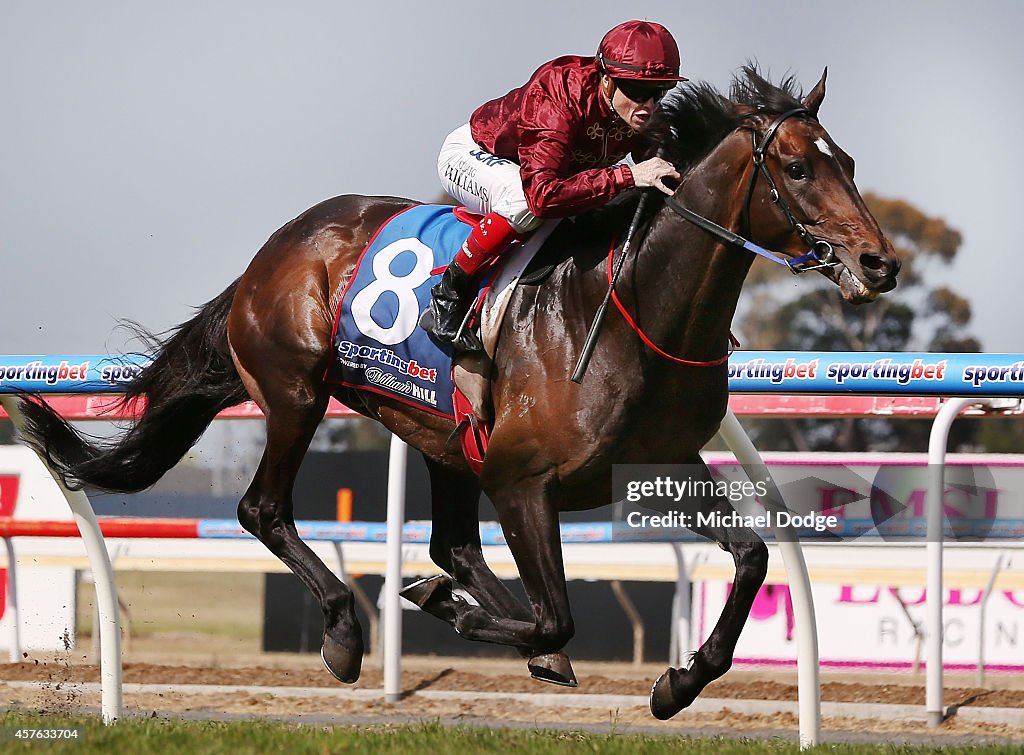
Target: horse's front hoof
(422, 592)
(663, 705)
(673, 691)
(343, 664)
(553, 668)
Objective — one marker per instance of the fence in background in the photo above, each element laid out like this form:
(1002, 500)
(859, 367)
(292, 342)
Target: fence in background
(975, 381)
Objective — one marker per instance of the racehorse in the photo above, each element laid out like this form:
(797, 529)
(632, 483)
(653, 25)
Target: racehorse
(758, 162)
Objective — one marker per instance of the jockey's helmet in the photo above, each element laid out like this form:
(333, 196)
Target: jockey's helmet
(639, 50)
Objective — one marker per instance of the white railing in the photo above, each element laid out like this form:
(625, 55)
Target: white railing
(953, 375)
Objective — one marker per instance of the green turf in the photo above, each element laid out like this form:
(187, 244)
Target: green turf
(258, 737)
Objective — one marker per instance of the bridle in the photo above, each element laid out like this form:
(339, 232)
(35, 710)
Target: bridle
(810, 260)
(820, 253)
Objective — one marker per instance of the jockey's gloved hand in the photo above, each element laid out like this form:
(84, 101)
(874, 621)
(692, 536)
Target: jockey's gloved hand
(652, 172)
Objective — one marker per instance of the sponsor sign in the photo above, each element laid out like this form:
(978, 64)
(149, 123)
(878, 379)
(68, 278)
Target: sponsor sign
(864, 626)
(61, 374)
(885, 373)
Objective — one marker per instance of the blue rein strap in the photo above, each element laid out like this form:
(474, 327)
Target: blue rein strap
(801, 264)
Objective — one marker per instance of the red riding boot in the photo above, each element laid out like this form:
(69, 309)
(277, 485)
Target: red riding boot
(452, 297)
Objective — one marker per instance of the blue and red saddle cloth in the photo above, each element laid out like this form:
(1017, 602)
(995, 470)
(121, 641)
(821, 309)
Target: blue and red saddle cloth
(378, 345)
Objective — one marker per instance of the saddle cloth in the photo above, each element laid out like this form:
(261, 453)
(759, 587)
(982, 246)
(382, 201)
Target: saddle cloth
(378, 345)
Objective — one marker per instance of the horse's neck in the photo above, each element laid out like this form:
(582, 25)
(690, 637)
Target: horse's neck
(688, 283)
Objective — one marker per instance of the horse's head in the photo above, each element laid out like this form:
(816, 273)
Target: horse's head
(795, 189)
(801, 195)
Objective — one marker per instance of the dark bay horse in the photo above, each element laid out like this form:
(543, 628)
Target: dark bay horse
(268, 337)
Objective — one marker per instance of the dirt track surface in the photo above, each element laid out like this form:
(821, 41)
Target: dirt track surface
(58, 690)
(448, 678)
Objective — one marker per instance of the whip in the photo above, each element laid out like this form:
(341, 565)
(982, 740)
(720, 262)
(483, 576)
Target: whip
(595, 326)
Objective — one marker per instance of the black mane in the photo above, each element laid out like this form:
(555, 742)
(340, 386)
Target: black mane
(694, 118)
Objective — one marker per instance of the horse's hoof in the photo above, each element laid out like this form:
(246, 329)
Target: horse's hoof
(673, 691)
(553, 668)
(663, 704)
(421, 592)
(343, 664)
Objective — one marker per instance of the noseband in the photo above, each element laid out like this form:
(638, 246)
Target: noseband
(819, 254)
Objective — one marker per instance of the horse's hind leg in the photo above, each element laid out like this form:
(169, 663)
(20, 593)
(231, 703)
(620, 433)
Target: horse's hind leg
(531, 527)
(530, 524)
(455, 547)
(677, 688)
(455, 542)
(294, 408)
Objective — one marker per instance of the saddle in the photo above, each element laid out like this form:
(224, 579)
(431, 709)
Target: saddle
(380, 348)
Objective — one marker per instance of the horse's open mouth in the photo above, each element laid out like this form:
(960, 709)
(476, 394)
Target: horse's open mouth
(854, 290)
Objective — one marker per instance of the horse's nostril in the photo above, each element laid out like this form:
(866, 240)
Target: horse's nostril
(873, 262)
(879, 271)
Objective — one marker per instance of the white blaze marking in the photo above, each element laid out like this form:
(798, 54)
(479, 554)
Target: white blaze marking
(822, 145)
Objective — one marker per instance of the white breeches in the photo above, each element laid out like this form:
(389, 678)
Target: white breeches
(482, 182)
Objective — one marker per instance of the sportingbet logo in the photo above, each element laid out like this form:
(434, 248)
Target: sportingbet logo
(886, 369)
(349, 350)
(977, 374)
(776, 372)
(120, 374)
(37, 372)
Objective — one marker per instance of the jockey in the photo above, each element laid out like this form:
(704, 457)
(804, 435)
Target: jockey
(549, 150)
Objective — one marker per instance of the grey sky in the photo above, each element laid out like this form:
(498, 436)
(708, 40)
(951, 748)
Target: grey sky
(148, 149)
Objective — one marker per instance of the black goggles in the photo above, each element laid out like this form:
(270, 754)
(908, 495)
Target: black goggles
(641, 91)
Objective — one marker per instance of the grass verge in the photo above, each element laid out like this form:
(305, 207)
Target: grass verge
(174, 736)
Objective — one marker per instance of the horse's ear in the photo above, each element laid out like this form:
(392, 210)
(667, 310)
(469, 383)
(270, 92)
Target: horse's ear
(813, 100)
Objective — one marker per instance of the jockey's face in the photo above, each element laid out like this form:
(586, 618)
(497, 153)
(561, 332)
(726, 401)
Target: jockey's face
(634, 102)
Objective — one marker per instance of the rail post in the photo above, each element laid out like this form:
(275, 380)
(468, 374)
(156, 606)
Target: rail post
(808, 681)
(109, 628)
(393, 571)
(681, 610)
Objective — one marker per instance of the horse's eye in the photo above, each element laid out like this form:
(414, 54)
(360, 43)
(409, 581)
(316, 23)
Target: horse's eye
(796, 171)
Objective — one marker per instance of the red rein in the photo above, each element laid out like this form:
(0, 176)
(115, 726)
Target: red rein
(650, 344)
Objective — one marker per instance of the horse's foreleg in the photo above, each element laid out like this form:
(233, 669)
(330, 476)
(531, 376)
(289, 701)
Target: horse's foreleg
(677, 688)
(266, 512)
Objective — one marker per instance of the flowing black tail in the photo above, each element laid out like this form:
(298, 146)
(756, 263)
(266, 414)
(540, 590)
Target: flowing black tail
(190, 380)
